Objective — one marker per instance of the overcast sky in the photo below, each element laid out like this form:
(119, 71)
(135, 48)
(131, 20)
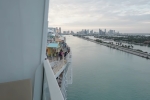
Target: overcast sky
(125, 16)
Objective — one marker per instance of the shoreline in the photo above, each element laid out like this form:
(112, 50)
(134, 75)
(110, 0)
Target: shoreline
(128, 50)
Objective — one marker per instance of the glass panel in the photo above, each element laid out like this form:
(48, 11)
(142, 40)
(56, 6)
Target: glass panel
(46, 93)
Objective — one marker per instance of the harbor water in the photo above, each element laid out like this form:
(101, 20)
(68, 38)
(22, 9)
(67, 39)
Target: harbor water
(102, 73)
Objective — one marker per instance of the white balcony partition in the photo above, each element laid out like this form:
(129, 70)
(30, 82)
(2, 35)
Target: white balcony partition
(23, 29)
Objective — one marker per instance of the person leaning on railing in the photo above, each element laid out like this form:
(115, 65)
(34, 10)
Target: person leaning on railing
(68, 49)
(65, 51)
(61, 54)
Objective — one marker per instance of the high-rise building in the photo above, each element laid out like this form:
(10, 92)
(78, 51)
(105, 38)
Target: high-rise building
(83, 31)
(101, 32)
(72, 32)
(111, 31)
(87, 31)
(56, 30)
(60, 30)
(91, 32)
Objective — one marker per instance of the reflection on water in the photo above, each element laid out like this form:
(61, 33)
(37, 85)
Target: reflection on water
(102, 73)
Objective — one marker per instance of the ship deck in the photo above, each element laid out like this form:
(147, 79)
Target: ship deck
(57, 64)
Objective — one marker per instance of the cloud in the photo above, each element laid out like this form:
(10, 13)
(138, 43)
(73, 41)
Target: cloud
(117, 14)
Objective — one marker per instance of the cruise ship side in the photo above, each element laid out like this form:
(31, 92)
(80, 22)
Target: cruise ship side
(33, 66)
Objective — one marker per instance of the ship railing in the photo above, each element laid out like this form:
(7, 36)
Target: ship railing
(53, 72)
(68, 75)
(51, 90)
(66, 59)
(57, 66)
(63, 83)
(56, 61)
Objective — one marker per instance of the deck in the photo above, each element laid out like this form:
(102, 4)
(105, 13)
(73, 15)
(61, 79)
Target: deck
(58, 64)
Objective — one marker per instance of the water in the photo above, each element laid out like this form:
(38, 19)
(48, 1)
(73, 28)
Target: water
(102, 73)
(147, 35)
(143, 48)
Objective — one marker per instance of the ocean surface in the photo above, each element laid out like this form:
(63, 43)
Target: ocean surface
(102, 73)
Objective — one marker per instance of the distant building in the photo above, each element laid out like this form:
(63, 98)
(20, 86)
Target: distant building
(111, 31)
(68, 32)
(83, 31)
(91, 32)
(87, 31)
(64, 32)
(100, 32)
(56, 30)
(59, 30)
(72, 32)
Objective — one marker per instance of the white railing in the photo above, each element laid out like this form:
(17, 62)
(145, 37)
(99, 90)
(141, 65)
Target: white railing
(63, 88)
(69, 72)
(52, 73)
(54, 90)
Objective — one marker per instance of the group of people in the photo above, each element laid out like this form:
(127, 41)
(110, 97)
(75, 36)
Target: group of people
(64, 52)
(59, 54)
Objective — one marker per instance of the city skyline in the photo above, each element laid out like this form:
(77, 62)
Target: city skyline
(130, 16)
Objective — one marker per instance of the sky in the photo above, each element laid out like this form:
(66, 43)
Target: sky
(125, 16)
